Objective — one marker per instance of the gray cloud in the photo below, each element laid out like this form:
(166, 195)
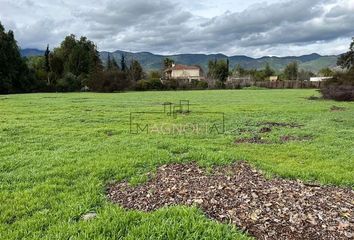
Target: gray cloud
(273, 27)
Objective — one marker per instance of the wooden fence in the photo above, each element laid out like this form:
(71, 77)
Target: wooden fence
(235, 84)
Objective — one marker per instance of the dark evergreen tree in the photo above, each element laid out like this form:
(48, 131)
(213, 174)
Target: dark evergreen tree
(268, 71)
(46, 56)
(46, 64)
(115, 64)
(167, 63)
(78, 58)
(228, 65)
(14, 73)
(123, 63)
(346, 60)
(291, 71)
(135, 71)
(109, 65)
(218, 70)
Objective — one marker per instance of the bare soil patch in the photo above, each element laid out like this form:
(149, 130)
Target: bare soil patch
(238, 194)
(252, 140)
(289, 138)
(265, 130)
(337, 109)
(313, 98)
(280, 124)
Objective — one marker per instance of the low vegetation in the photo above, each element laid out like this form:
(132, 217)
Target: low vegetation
(341, 86)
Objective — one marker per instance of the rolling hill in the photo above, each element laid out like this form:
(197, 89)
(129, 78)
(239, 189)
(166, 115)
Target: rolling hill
(31, 52)
(312, 62)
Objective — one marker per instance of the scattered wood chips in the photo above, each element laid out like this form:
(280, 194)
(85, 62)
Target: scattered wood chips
(238, 194)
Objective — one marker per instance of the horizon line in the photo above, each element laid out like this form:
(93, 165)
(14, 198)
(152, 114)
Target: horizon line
(206, 54)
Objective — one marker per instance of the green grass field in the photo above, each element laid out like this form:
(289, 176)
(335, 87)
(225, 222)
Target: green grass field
(59, 151)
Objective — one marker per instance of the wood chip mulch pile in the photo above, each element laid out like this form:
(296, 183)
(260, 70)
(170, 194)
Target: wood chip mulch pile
(238, 194)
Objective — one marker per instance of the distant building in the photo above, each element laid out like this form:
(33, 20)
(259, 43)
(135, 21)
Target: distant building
(85, 89)
(185, 72)
(273, 78)
(319, 79)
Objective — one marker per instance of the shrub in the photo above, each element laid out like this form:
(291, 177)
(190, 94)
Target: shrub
(150, 84)
(340, 88)
(202, 85)
(171, 84)
(220, 85)
(156, 84)
(143, 85)
(108, 81)
(68, 83)
(154, 74)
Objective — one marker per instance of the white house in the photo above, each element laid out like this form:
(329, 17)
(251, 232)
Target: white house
(319, 79)
(178, 71)
(273, 78)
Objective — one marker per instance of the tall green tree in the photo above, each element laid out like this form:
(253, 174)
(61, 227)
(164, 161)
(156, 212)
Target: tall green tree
(135, 71)
(291, 71)
(268, 71)
(115, 65)
(346, 60)
(239, 71)
(47, 64)
(78, 58)
(109, 65)
(326, 72)
(14, 73)
(123, 64)
(167, 63)
(218, 70)
(305, 75)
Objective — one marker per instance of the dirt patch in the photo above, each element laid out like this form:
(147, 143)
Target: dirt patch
(289, 138)
(281, 124)
(265, 127)
(238, 194)
(313, 98)
(337, 109)
(252, 140)
(265, 130)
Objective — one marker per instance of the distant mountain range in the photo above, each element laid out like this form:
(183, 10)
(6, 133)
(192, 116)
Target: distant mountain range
(313, 62)
(30, 52)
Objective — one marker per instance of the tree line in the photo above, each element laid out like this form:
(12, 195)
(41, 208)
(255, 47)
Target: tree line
(219, 70)
(73, 66)
(76, 66)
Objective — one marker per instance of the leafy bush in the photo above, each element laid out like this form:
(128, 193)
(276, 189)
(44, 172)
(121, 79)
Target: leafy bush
(219, 85)
(340, 88)
(150, 84)
(171, 84)
(154, 74)
(202, 85)
(142, 85)
(111, 81)
(68, 83)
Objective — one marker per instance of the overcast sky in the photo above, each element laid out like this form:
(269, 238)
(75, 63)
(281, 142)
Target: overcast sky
(233, 27)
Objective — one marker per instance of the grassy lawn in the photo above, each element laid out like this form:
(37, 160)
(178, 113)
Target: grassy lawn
(59, 151)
